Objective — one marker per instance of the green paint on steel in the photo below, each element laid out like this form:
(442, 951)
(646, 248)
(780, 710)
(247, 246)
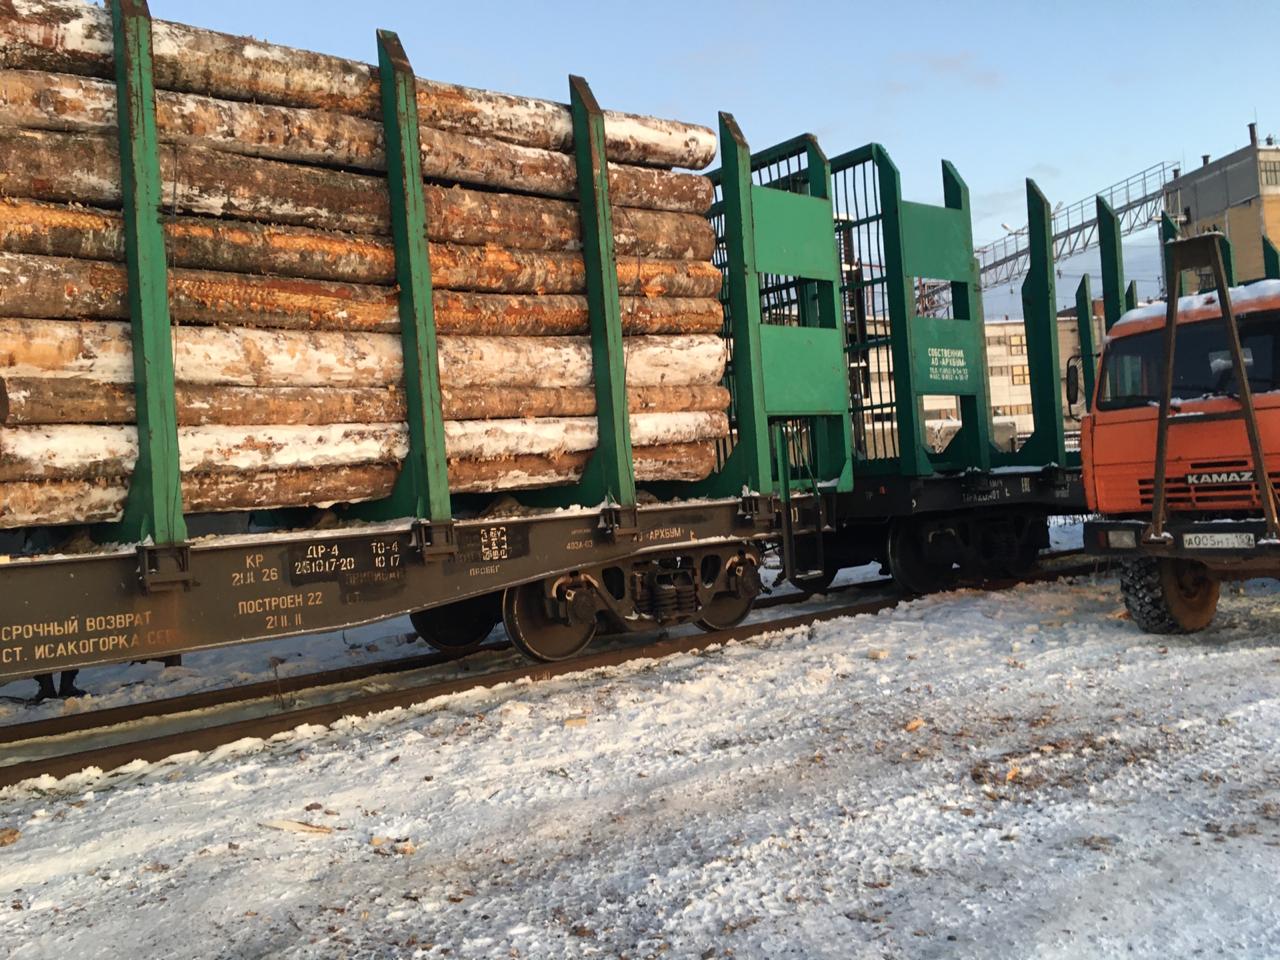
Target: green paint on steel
(806, 368)
(791, 376)
(1084, 327)
(748, 464)
(971, 447)
(1270, 260)
(913, 458)
(1228, 260)
(1131, 295)
(796, 244)
(428, 487)
(1168, 233)
(932, 355)
(1047, 443)
(938, 248)
(1112, 263)
(610, 474)
(422, 489)
(153, 508)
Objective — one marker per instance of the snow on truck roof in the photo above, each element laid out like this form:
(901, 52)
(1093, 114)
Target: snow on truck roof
(1263, 295)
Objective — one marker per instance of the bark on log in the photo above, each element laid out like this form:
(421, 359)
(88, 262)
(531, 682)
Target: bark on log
(233, 356)
(85, 169)
(59, 230)
(44, 402)
(56, 35)
(54, 502)
(38, 286)
(89, 452)
(483, 314)
(684, 461)
(61, 102)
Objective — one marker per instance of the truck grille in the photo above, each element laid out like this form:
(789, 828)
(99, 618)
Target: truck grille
(1205, 496)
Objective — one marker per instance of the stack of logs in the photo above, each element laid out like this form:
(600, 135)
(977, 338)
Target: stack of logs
(282, 279)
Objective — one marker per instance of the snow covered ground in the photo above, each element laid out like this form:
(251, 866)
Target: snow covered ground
(969, 775)
(126, 683)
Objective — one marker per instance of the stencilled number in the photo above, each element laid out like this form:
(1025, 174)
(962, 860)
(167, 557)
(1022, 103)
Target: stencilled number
(493, 544)
(386, 554)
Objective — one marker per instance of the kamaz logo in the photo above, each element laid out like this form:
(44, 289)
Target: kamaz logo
(1223, 476)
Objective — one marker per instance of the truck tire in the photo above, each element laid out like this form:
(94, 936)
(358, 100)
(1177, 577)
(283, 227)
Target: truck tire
(1169, 596)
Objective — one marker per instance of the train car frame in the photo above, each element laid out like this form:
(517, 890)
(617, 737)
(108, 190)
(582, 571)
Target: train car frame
(806, 305)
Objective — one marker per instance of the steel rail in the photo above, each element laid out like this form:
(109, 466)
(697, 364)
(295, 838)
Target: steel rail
(206, 738)
(278, 687)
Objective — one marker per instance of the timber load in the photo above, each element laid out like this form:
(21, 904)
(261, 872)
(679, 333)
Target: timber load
(278, 222)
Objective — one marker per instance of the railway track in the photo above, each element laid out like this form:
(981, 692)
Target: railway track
(281, 687)
(152, 731)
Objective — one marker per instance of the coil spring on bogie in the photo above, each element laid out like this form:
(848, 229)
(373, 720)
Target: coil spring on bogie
(666, 600)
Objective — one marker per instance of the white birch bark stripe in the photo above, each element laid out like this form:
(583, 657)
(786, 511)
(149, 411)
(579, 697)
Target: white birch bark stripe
(98, 451)
(40, 502)
(36, 100)
(234, 356)
(247, 69)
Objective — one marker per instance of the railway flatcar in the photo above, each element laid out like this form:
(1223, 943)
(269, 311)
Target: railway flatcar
(257, 418)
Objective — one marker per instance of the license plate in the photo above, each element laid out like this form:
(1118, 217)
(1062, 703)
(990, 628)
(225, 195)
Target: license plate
(1217, 541)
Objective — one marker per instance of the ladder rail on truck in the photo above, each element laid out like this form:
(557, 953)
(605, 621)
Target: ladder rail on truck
(1182, 443)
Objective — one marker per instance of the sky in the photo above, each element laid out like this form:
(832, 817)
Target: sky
(1076, 95)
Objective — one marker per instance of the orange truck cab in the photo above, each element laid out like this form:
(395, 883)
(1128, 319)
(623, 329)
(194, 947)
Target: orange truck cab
(1215, 528)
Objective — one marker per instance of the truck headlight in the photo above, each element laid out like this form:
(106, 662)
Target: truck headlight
(1122, 539)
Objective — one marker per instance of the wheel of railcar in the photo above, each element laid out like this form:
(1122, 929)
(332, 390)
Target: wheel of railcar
(909, 567)
(461, 627)
(1169, 596)
(732, 607)
(539, 635)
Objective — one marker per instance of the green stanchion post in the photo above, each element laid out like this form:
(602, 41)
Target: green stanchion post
(153, 509)
(422, 489)
(1084, 324)
(1039, 299)
(610, 475)
(1112, 263)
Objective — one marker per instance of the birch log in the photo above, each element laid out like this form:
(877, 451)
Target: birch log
(64, 35)
(88, 452)
(85, 169)
(231, 356)
(55, 229)
(37, 286)
(50, 101)
(51, 502)
(42, 402)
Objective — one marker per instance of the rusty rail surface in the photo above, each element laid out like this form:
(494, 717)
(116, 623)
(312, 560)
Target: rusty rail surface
(206, 738)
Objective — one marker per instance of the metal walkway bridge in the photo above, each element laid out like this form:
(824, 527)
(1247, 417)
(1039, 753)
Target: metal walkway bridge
(1137, 202)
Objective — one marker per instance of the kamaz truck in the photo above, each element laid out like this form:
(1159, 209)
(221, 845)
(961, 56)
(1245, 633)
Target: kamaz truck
(1181, 445)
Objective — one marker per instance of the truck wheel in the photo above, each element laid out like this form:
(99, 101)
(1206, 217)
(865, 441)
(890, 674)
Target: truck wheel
(1169, 596)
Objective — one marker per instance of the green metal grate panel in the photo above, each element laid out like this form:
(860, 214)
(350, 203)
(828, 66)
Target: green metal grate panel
(913, 316)
(787, 377)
